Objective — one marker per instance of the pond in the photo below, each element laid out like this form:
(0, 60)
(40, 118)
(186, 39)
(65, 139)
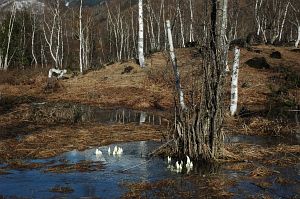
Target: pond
(74, 113)
(109, 173)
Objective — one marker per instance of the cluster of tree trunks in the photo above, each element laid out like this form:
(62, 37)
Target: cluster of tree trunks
(197, 127)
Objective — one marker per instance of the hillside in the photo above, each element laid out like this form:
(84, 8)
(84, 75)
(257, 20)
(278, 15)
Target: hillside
(267, 97)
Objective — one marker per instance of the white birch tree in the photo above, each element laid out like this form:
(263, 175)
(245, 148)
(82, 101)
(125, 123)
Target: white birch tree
(5, 58)
(52, 29)
(234, 81)
(80, 39)
(296, 22)
(181, 24)
(191, 31)
(33, 17)
(141, 35)
(175, 68)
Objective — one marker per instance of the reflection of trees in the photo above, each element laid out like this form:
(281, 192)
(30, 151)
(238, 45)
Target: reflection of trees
(143, 116)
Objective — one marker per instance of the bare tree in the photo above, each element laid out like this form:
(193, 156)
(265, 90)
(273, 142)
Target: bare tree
(52, 29)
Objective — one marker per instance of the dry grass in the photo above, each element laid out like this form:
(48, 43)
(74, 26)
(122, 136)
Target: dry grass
(139, 89)
(82, 166)
(261, 172)
(48, 142)
(152, 88)
(60, 189)
(280, 155)
(211, 187)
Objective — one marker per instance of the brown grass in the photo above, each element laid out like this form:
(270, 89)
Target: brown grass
(280, 155)
(60, 189)
(153, 88)
(210, 187)
(260, 172)
(82, 166)
(49, 142)
(139, 89)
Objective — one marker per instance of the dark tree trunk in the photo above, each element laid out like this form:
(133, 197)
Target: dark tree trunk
(198, 129)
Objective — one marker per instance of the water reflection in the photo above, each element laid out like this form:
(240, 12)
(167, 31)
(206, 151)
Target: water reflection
(133, 165)
(106, 183)
(263, 140)
(62, 112)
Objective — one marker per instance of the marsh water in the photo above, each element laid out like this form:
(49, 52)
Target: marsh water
(133, 166)
(107, 174)
(73, 113)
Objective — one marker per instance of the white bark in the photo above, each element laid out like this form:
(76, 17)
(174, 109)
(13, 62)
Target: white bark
(174, 63)
(151, 28)
(80, 38)
(298, 39)
(143, 116)
(234, 81)
(53, 36)
(165, 29)
(191, 22)
(283, 21)
(258, 4)
(224, 22)
(32, 39)
(10, 29)
(181, 25)
(141, 35)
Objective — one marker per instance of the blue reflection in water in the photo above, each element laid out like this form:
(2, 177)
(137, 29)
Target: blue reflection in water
(120, 169)
(104, 184)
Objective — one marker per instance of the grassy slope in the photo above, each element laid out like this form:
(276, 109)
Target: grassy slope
(266, 90)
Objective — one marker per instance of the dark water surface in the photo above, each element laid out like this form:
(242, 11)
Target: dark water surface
(73, 113)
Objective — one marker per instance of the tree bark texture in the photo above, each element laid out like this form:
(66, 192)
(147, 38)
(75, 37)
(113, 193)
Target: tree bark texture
(198, 132)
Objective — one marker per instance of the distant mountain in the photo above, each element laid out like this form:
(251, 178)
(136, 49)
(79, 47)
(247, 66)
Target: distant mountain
(38, 5)
(35, 5)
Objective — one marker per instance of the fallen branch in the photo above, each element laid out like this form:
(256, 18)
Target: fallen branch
(57, 71)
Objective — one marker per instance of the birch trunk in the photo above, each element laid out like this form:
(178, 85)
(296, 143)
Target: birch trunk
(32, 40)
(181, 25)
(141, 35)
(10, 29)
(191, 23)
(234, 83)
(283, 21)
(298, 39)
(174, 63)
(54, 29)
(80, 38)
